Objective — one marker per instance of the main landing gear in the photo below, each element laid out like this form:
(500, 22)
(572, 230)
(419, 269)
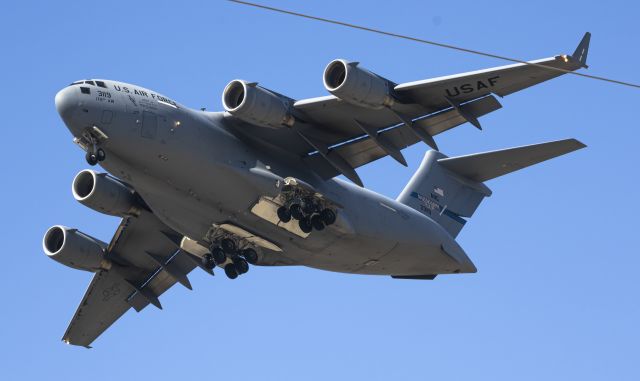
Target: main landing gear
(309, 213)
(227, 254)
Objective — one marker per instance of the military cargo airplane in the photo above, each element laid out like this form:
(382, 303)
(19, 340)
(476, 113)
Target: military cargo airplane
(255, 184)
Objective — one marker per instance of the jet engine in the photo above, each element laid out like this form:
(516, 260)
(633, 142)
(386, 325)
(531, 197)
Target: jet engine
(103, 194)
(354, 84)
(256, 105)
(74, 249)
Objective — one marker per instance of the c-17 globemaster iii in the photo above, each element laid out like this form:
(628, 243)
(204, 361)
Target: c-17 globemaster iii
(255, 184)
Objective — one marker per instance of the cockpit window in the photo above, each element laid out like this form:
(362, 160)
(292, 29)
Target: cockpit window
(92, 83)
(85, 90)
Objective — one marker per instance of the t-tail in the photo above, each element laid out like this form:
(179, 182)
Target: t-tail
(449, 190)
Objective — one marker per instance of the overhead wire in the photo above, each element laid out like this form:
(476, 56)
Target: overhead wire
(434, 43)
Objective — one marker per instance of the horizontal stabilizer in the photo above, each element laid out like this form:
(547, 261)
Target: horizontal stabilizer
(449, 190)
(481, 167)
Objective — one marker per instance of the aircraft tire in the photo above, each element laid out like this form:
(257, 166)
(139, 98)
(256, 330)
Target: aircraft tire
(250, 255)
(100, 154)
(284, 214)
(328, 216)
(218, 255)
(230, 271)
(317, 222)
(241, 266)
(305, 225)
(308, 206)
(92, 158)
(228, 245)
(208, 261)
(296, 211)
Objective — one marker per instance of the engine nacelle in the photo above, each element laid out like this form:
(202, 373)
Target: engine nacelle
(75, 249)
(356, 85)
(256, 105)
(103, 194)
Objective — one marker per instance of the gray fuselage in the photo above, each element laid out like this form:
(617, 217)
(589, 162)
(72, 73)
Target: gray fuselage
(195, 169)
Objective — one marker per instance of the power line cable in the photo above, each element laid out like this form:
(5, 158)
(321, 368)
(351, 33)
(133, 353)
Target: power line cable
(423, 41)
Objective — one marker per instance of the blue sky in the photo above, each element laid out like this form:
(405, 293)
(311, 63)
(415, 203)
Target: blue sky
(556, 296)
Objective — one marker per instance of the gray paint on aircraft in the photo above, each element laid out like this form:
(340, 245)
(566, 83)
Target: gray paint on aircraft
(183, 180)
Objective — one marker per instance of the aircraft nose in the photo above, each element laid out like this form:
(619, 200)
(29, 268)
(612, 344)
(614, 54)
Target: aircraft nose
(66, 103)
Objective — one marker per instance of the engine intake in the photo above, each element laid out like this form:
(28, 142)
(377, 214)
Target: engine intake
(74, 249)
(351, 83)
(103, 194)
(256, 105)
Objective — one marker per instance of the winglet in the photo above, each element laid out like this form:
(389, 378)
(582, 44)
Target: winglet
(582, 50)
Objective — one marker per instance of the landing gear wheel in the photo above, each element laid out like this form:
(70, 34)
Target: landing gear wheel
(92, 158)
(228, 245)
(218, 255)
(250, 255)
(241, 266)
(317, 222)
(308, 206)
(284, 214)
(208, 262)
(100, 154)
(328, 216)
(305, 225)
(296, 211)
(230, 271)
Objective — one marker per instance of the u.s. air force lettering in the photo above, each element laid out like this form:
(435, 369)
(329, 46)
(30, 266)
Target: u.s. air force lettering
(467, 88)
(143, 93)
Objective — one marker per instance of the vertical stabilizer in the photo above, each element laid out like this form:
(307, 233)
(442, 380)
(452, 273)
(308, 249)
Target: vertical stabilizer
(449, 190)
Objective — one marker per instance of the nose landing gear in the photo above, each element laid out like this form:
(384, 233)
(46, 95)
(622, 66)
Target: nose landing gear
(89, 141)
(94, 156)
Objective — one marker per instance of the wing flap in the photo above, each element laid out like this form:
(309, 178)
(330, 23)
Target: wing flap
(364, 150)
